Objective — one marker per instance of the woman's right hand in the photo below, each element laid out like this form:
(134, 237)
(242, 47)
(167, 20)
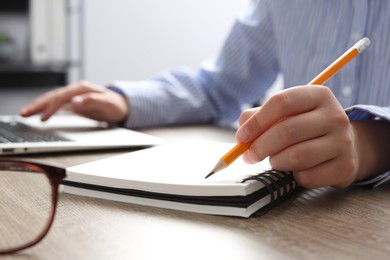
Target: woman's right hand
(83, 98)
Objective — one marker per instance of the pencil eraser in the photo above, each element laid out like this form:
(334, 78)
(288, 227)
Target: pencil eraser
(362, 44)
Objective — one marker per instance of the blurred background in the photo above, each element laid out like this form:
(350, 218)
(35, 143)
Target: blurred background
(49, 43)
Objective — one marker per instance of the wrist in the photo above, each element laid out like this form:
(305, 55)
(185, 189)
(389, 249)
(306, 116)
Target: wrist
(372, 147)
(363, 149)
(122, 103)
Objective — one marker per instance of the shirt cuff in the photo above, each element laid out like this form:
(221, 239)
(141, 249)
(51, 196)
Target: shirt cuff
(368, 112)
(116, 90)
(141, 94)
(376, 181)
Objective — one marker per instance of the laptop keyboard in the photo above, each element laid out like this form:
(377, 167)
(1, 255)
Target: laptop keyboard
(16, 132)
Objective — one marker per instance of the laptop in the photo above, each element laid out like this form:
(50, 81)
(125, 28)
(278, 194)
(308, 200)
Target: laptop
(66, 132)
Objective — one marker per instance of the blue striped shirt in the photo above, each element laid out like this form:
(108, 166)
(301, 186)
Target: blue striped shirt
(296, 39)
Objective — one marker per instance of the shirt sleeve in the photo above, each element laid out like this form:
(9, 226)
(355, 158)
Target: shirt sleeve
(240, 74)
(370, 112)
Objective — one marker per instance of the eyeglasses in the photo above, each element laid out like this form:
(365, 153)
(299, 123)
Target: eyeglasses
(28, 202)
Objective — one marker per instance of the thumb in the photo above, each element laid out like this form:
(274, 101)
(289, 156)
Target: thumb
(77, 101)
(88, 101)
(98, 106)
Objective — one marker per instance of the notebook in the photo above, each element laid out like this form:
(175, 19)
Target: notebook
(173, 176)
(65, 132)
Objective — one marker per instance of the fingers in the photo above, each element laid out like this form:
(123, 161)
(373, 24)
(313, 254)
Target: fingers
(289, 102)
(83, 98)
(52, 101)
(293, 130)
(337, 173)
(304, 130)
(305, 155)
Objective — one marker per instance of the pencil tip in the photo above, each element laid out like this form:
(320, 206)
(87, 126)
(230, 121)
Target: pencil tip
(208, 175)
(219, 166)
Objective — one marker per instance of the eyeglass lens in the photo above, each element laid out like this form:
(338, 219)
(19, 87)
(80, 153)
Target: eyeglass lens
(25, 207)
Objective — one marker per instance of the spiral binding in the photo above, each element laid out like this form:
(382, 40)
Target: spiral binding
(281, 183)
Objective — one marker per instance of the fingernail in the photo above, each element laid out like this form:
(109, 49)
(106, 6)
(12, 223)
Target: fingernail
(23, 111)
(243, 135)
(248, 157)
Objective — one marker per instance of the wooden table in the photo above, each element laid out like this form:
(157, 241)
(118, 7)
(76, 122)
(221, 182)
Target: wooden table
(319, 224)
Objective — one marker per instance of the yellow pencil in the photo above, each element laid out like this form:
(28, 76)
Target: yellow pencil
(332, 69)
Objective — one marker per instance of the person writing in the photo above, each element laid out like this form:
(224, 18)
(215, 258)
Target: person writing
(332, 135)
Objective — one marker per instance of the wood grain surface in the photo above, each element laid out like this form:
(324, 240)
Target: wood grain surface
(325, 223)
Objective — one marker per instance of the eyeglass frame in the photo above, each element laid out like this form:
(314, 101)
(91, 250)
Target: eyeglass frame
(55, 176)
